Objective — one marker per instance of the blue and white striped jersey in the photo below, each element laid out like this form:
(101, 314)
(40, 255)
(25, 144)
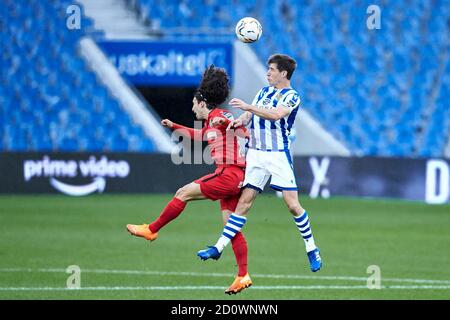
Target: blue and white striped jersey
(266, 135)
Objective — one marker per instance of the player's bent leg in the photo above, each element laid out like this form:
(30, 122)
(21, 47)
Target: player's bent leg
(190, 192)
(240, 249)
(242, 280)
(301, 220)
(291, 199)
(232, 227)
(172, 210)
(245, 201)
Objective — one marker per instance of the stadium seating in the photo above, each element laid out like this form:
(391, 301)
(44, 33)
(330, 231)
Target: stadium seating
(381, 92)
(49, 98)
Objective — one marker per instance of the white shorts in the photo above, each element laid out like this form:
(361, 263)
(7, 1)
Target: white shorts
(261, 165)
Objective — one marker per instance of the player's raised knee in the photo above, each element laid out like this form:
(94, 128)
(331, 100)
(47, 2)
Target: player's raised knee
(183, 194)
(294, 208)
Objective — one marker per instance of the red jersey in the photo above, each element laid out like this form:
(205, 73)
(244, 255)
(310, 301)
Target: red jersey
(223, 144)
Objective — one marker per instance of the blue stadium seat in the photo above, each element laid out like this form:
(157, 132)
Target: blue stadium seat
(46, 89)
(381, 92)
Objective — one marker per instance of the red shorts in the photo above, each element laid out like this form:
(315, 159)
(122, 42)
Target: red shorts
(224, 185)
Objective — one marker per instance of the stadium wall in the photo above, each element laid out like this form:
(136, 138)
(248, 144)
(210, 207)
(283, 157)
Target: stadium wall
(81, 174)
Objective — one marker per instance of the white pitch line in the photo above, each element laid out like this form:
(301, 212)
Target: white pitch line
(180, 288)
(200, 274)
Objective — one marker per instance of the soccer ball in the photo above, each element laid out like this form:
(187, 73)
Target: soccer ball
(248, 30)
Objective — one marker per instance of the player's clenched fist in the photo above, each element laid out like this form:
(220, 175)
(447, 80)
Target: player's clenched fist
(235, 124)
(167, 123)
(218, 121)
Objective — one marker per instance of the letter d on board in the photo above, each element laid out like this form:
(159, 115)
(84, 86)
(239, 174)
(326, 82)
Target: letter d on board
(437, 182)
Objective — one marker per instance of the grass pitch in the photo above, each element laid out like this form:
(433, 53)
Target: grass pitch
(41, 236)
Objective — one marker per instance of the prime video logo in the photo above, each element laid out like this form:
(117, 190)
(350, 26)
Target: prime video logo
(98, 170)
(171, 64)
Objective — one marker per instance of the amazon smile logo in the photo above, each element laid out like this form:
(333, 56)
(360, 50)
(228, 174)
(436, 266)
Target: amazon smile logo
(97, 170)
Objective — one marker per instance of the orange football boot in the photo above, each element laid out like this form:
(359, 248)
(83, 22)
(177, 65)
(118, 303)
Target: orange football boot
(239, 284)
(142, 230)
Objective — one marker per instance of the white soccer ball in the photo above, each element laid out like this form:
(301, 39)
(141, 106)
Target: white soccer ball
(248, 30)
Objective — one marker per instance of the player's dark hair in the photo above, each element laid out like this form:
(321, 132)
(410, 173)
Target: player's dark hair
(213, 88)
(284, 63)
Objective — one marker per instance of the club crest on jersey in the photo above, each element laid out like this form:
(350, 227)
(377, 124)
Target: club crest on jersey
(228, 115)
(291, 104)
(211, 135)
(266, 102)
(293, 101)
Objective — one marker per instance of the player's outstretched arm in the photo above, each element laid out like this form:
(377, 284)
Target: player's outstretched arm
(167, 123)
(192, 133)
(240, 130)
(243, 120)
(268, 114)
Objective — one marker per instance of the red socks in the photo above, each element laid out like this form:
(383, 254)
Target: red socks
(239, 245)
(173, 210)
(170, 212)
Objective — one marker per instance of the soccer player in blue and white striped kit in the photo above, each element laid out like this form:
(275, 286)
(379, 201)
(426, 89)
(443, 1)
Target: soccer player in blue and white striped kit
(270, 118)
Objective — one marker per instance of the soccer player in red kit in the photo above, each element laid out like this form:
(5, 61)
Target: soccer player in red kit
(225, 183)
